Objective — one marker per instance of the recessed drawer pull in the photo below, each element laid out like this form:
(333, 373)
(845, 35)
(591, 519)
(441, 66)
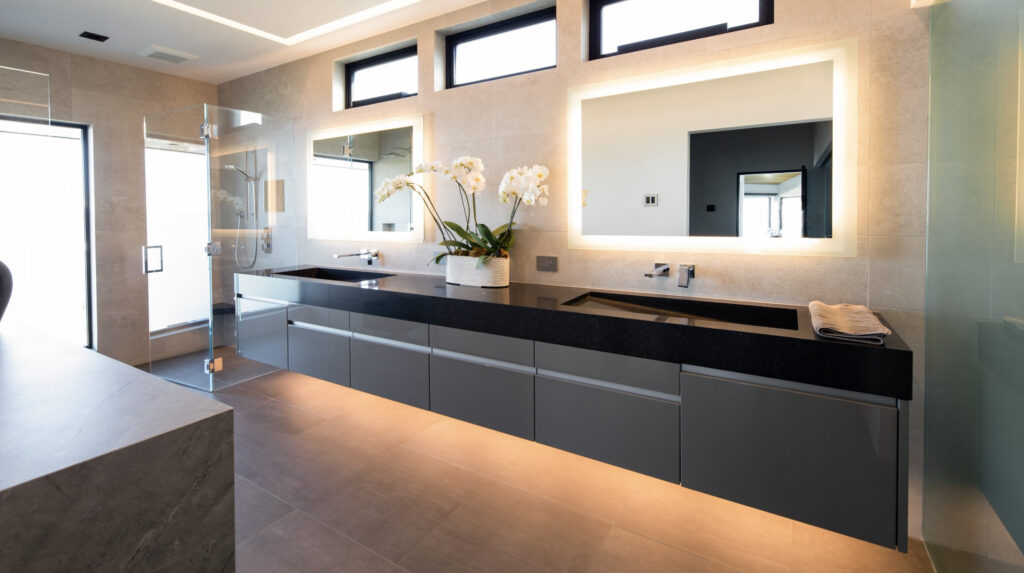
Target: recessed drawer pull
(641, 392)
(391, 343)
(318, 328)
(510, 366)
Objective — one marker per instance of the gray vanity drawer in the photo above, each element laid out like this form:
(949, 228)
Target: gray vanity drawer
(328, 317)
(633, 432)
(496, 347)
(391, 372)
(391, 328)
(319, 354)
(262, 331)
(652, 375)
(484, 395)
(825, 461)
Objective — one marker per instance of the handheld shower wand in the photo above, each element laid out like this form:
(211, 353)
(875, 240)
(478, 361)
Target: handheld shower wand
(251, 208)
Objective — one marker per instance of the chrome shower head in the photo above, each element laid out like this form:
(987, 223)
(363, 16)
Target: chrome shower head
(246, 175)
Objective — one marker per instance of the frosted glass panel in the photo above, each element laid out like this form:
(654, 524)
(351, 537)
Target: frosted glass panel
(974, 371)
(176, 221)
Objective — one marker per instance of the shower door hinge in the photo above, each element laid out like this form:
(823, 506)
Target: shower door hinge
(212, 249)
(215, 365)
(206, 130)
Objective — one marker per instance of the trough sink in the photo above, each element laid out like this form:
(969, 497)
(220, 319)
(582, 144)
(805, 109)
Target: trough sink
(664, 308)
(340, 275)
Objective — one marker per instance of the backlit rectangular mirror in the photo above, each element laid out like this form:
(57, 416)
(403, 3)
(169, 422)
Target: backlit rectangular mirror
(757, 155)
(346, 165)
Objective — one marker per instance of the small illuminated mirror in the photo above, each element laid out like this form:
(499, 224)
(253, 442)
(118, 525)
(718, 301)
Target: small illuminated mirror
(343, 174)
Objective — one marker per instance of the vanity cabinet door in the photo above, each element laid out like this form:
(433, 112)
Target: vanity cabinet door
(821, 460)
(630, 431)
(263, 331)
(319, 354)
(485, 395)
(399, 374)
(482, 378)
(618, 409)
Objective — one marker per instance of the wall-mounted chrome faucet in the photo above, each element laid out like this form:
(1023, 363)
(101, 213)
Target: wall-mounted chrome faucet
(686, 274)
(370, 256)
(660, 270)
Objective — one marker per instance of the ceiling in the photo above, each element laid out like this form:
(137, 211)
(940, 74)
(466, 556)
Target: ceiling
(279, 30)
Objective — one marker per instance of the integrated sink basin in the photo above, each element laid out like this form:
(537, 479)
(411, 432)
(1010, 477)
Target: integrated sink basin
(666, 308)
(340, 275)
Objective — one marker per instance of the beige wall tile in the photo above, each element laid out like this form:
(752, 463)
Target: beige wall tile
(897, 272)
(897, 199)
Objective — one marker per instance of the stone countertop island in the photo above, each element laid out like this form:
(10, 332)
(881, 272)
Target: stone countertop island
(103, 466)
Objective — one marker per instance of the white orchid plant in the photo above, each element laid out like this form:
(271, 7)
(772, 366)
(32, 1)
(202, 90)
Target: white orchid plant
(523, 185)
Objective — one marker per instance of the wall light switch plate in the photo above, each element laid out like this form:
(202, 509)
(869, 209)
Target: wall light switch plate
(547, 264)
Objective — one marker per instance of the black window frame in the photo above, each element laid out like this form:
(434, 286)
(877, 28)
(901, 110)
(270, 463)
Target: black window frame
(452, 41)
(86, 214)
(352, 67)
(767, 12)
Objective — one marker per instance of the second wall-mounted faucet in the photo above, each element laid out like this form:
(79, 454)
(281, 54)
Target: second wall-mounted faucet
(686, 274)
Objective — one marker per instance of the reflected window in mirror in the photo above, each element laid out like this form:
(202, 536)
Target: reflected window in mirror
(343, 174)
(622, 26)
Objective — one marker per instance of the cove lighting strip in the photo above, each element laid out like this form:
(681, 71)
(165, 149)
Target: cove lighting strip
(340, 23)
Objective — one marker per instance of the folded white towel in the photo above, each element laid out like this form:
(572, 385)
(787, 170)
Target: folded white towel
(849, 322)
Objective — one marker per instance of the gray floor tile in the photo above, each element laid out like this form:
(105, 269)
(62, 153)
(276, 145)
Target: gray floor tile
(297, 542)
(255, 508)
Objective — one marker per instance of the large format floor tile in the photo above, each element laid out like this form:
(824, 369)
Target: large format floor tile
(332, 479)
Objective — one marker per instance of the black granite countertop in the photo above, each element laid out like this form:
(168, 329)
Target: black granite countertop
(538, 312)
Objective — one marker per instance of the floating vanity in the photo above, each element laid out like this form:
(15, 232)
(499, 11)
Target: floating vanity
(738, 400)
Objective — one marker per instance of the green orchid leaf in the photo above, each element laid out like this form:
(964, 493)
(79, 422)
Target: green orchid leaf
(502, 229)
(455, 244)
(488, 236)
(469, 237)
(437, 260)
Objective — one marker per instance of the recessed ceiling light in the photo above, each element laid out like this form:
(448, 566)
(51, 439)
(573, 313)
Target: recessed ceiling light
(94, 36)
(350, 20)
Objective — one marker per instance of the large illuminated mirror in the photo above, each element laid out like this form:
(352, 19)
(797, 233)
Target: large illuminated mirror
(346, 165)
(757, 155)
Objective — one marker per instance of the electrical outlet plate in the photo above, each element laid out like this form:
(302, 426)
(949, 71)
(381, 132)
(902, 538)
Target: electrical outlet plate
(547, 264)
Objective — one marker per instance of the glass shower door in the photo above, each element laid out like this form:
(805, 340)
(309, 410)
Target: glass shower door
(974, 392)
(175, 258)
(215, 205)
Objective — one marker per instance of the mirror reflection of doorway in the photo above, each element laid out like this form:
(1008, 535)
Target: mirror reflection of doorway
(772, 204)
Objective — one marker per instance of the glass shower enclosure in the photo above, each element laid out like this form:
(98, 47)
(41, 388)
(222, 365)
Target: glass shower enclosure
(974, 371)
(217, 185)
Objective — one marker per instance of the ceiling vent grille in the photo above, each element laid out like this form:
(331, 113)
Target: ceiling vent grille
(167, 55)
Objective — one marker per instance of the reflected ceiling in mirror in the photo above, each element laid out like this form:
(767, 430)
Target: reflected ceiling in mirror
(344, 170)
(757, 155)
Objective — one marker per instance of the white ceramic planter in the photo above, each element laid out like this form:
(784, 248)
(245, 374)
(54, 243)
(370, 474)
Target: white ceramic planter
(467, 271)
